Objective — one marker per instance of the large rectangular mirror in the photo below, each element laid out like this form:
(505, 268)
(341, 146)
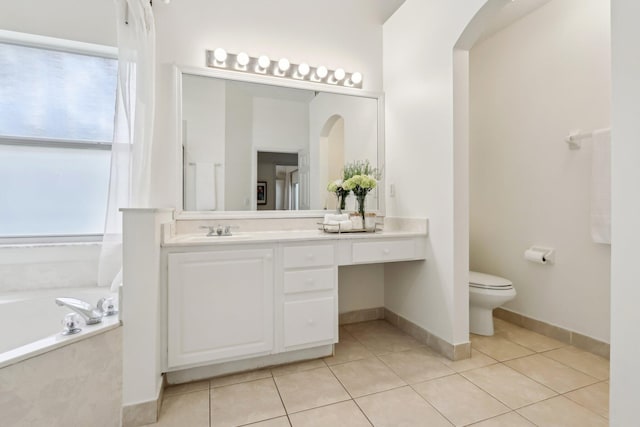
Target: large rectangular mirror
(254, 146)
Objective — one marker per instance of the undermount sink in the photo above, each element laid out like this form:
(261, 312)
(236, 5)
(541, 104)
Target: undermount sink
(234, 236)
(188, 238)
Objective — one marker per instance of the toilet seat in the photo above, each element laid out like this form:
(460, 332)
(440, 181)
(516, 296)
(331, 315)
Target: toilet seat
(487, 281)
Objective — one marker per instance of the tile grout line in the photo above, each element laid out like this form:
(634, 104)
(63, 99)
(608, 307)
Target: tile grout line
(549, 387)
(411, 386)
(580, 404)
(286, 411)
(430, 404)
(557, 393)
(541, 353)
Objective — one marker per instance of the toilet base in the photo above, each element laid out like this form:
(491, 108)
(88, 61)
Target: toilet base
(481, 321)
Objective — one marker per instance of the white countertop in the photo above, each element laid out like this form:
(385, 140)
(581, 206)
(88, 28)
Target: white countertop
(281, 236)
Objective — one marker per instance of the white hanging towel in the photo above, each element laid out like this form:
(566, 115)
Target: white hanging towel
(205, 186)
(601, 187)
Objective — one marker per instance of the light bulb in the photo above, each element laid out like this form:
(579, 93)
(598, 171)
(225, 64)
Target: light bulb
(322, 71)
(356, 78)
(220, 54)
(243, 59)
(284, 64)
(264, 61)
(303, 69)
(339, 74)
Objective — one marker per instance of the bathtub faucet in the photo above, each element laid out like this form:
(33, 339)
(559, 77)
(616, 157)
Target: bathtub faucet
(89, 313)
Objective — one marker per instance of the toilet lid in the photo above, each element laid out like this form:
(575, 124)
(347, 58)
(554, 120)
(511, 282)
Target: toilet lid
(487, 281)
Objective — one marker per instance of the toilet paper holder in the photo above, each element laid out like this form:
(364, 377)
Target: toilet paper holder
(540, 255)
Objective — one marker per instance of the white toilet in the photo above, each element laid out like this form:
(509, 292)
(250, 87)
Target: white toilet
(486, 292)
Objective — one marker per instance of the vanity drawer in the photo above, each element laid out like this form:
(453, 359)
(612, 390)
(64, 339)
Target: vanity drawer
(309, 280)
(309, 322)
(383, 251)
(308, 256)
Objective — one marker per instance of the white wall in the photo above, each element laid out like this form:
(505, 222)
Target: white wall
(418, 79)
(89, 21)
(238, 150)
(360, 287)
(625, 268)
(280, 124)
(531, 84)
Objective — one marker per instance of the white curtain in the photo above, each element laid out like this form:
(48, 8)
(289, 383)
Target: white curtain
(130, 180)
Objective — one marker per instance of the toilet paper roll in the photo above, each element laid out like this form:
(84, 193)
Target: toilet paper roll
(536, 256)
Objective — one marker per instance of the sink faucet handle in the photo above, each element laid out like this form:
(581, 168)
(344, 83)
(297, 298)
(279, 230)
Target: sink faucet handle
(228, 228)
(211, 228)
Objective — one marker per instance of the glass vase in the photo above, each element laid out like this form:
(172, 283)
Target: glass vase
(342, 202)
(361, 202)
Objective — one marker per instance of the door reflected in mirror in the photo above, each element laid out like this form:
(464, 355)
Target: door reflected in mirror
(236, 133)
(279, 171)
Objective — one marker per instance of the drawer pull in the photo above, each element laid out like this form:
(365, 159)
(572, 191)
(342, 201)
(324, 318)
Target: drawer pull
(386, 251)
(309, 282)
(310, 322)
(310, 257)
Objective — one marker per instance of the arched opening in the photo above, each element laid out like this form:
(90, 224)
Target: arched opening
(508, 111)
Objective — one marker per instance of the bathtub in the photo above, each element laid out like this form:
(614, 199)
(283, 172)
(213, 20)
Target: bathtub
(31, 322)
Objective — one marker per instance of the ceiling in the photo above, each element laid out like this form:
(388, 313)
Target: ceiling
(510, 13)
(386, 8)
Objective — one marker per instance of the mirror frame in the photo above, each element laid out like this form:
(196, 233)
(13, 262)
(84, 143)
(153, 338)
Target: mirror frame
(178, 71)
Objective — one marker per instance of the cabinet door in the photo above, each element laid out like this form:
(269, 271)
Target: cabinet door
(220, 305)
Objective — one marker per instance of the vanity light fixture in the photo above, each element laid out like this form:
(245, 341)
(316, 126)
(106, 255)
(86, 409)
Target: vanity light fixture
(303, 70)
(283, 65)
(219, 58)
(220, 55)
(321, 72)
(242, 59)
(338, 75)
(263, 63)
(356, 79)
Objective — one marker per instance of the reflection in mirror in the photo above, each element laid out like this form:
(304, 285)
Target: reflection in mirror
(236, 133)
(279, 171)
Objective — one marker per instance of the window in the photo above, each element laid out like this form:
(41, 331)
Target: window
(57, 111)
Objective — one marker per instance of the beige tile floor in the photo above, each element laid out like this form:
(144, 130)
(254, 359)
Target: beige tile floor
(380, 376)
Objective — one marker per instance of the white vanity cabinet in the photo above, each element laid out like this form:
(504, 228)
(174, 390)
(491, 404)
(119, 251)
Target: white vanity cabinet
(310, 303)
(268, 299)
(220, 305)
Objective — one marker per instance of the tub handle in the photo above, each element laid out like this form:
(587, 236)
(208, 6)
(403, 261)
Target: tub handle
(71, 323)
(107, 306)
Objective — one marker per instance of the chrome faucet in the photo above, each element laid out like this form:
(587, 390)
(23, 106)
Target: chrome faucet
(90, 314)
(219, 230)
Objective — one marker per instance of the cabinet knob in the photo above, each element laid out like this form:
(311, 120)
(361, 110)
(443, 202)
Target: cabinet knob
(310, 322)
(309, 256)
(386, 251)
(309, 282)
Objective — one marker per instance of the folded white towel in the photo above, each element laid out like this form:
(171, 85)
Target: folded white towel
(346, 225)
(205, 186)
(601, 187)
(335, 217)
(335, 226)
